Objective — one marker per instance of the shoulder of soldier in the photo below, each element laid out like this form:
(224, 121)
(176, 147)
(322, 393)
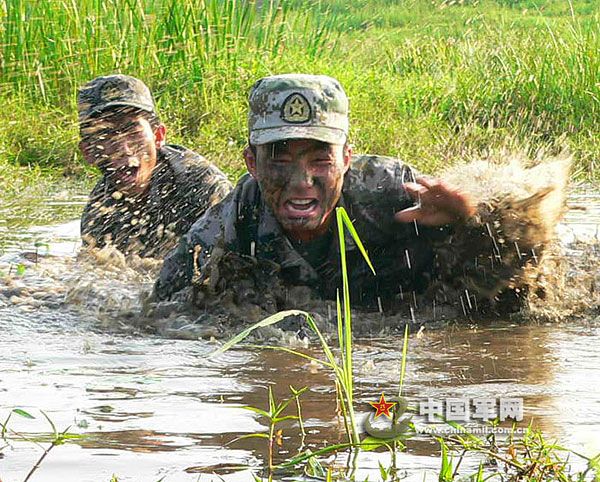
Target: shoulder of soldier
(372, 174)
(101, 189)
(223, 218)
(188, 170)
(100, 199)
(183, 160)
(101, 194)
(374, 190)
(175, 153)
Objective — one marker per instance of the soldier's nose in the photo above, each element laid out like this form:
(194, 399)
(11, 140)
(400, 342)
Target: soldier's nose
(127, 148)
(302, 179)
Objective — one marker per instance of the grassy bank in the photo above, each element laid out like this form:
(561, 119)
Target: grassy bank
(429, 81)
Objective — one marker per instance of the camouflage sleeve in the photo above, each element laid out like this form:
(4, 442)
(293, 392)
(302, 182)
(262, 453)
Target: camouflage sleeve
(216, 226)
(176, 272)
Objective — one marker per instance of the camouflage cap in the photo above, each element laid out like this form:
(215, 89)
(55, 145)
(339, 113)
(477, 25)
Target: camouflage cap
(298, 106)
(112, 91)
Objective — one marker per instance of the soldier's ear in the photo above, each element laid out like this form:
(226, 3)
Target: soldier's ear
(250, 158)
(86, 151)
(160, 136)
(347, 156)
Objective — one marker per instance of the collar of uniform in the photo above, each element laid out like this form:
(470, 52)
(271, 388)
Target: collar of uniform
(162, 172)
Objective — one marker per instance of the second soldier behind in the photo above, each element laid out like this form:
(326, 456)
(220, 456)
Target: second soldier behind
(150, 192)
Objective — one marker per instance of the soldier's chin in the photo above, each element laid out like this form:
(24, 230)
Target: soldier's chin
(127, 183)
(301, 228)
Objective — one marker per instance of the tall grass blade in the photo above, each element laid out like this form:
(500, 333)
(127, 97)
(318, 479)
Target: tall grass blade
(403, 364)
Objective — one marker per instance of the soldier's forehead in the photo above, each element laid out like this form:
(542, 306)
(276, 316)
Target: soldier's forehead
(112, 121)
(311, 145)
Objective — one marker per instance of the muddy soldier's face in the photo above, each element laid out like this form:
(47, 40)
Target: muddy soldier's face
(124, 148)
(301, 181)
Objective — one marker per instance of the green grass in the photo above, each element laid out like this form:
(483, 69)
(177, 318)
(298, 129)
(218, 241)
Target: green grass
(432, 82)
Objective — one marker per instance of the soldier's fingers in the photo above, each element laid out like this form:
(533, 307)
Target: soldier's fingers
(415, 190)
(409, 215)
(428, 182)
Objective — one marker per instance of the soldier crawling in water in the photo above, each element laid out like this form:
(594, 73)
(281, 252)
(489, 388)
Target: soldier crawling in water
(150, 192)
(276, 228)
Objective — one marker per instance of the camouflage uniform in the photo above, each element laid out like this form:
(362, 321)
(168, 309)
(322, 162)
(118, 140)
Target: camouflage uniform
(372, 192)
(183, 186)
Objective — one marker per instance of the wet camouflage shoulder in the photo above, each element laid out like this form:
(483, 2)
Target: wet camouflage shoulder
(194, 171)
(374, 191)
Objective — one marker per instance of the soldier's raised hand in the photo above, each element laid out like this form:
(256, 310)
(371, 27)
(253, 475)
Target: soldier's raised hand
(437, 203)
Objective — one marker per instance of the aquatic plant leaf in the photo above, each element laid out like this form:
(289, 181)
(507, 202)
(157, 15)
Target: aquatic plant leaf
(224, 468)
(272, 409)
(382, 471)
(271, 320)
(248, 435)
(464, 431)
(368, 444)
(479, 475)
(23, 413)
(346, 377)
(594, 465)
(281, 407)
(298, 459)
(258, 410)
(446, 472)
(51, 424)
(299, 392)
(282, 419)
(251, 435)
(339, 318)
(314, 468)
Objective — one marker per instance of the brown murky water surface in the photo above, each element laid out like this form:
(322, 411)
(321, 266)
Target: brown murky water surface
(152, 407)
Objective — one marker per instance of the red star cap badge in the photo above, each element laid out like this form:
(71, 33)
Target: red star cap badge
(382, 407)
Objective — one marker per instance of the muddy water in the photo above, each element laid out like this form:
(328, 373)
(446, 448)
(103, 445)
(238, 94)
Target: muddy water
(151, 407)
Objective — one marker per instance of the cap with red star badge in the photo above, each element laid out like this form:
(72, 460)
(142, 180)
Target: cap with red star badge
(298, 106)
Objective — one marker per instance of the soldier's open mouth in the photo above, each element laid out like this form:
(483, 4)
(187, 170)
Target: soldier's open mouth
(301, 207)
(133, 161)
